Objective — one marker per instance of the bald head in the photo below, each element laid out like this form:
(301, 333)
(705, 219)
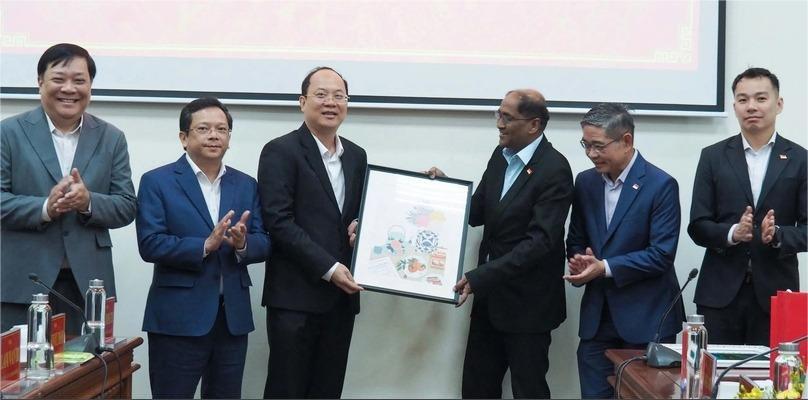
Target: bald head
(532, 104)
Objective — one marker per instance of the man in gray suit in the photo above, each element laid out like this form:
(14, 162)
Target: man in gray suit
(65, 182)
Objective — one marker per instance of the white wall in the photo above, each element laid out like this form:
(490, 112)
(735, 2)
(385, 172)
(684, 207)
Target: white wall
(409, 348)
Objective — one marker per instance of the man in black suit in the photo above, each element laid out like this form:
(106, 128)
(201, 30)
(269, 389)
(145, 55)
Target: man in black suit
(310, 182)
(749, 211)
(523, 199)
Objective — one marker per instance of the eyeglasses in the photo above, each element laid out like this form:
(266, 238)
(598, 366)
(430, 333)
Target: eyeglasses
(322, 97)
(599, 148)
(507, 119)
(204, 130)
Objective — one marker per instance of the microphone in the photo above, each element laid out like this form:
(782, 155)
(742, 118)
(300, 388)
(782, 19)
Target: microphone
(87, 342)
(744, 361)
(659, 356)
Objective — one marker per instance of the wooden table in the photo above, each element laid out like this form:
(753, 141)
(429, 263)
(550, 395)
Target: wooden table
(86, 380)
(640, 381)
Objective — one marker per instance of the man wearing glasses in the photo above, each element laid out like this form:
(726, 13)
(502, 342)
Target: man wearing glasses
(523, 199)
(199, 222)
(622, 242)
(311, 182)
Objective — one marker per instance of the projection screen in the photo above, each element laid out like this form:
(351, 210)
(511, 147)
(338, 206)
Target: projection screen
(659, 57)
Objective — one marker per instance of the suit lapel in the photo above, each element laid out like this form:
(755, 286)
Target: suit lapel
(89, 138)
(190, 185)
(737, 160)
(522, 178)
(39, 136)
(631, 187)
(315, 160)
(776, 165)
(227, 192)
(349, 162)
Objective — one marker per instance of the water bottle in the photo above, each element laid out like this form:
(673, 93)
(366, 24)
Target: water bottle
(95, 301)
(39, 348)
(787, 365)
(696, 337)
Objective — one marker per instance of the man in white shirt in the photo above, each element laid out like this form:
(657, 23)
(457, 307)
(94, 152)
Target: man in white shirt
(311, 182)
(749, 212)
(65, 182)
(199, 222)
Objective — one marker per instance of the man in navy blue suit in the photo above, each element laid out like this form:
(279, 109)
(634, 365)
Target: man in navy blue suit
(198, 310)
(621, 245)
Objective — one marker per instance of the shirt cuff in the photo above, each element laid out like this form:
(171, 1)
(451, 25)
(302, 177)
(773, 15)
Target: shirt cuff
(731, 232)
(241, 253)
(45, 216)
(89, 208)
(774, 238)
(327, 276)
(608, 273)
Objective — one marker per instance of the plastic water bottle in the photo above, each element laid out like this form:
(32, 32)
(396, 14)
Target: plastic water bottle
(696, 341)
(786, 365)
(39, 348)
(95, 301)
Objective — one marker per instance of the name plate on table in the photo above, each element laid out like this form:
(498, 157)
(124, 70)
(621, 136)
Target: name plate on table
(58, 322)
(109, 319)
(10, 353)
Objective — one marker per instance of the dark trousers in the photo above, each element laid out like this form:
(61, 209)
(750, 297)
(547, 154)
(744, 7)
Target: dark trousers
(176, 363)
(491, 352)
(16, 314)
(593, 366)
(743, 321)
(308, 353)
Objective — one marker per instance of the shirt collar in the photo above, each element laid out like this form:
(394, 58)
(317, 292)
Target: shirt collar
(747, 146)
(52, 127)
(324, 151)
(198, 171)
(526, 153)
(624, 174)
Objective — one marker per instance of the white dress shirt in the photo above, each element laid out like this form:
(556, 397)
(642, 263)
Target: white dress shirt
(65, 144)
(611, 194)
(757, 163)
(333, 166)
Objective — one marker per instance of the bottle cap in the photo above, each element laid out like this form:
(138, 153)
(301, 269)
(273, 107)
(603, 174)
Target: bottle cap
(790, 347)
(40, 298)
(96, 283)
(695, 319)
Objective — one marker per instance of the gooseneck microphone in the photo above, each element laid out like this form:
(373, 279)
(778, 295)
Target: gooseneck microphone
(659, 356)
(87, 342)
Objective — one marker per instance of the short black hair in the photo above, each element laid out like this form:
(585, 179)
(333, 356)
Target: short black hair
(752, 73)
(186, 115)
(63, 53)
(304, 87)
(532, 106)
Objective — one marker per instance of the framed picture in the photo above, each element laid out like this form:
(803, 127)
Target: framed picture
(412, 234)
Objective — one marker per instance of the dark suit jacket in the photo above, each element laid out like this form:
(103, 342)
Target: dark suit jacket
(640, 246)
(721, 192)
(29, 170)
(520, 288)
(172, 224)
(301, 215)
